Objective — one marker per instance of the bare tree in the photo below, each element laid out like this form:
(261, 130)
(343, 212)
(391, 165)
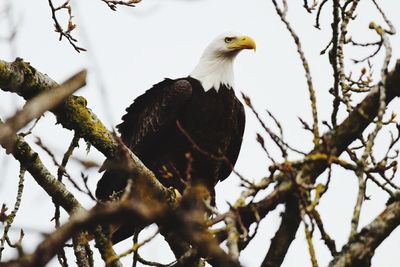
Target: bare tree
(193, 237)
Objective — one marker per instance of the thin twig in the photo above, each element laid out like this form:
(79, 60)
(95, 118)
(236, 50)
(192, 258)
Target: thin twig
(282, 15)
(11, 216)
(134, 248)
(112, 4)
(333, 56)
(70, 25)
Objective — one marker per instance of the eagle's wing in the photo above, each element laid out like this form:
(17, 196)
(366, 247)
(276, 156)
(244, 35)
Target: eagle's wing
(153, 110)
(233, 150)
(145, 119)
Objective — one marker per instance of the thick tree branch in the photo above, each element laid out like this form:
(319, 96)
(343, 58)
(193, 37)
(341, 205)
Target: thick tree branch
(21, 78)
(284, 236)
(40, 104)
(82, 251)
(361, 248)
(188, 222)
(190, 216)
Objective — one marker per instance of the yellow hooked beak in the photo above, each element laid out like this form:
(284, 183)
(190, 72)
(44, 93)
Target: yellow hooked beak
(242, 42)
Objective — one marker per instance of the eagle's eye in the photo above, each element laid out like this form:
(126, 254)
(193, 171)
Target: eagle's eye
(228, 39)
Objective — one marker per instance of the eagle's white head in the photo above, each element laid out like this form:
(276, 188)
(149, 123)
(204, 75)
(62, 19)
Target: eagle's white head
(216, 64)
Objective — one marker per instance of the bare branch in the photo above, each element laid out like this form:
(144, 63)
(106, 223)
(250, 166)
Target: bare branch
(282, 15)
(112, 4)
(334, 60)
(11, 216)
(70, 25)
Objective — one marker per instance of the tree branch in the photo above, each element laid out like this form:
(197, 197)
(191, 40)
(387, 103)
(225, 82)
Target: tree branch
(361, 248)
(284, 236)
(40, 104)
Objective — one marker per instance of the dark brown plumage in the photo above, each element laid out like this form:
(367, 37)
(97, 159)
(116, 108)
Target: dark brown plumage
(212, 125)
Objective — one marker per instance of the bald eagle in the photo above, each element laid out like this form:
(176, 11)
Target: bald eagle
(185, 127)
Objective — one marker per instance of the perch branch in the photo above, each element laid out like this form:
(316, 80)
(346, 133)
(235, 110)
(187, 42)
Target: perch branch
(40, 104)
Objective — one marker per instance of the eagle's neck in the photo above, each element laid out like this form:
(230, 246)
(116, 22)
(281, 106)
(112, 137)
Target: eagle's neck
(213, 71)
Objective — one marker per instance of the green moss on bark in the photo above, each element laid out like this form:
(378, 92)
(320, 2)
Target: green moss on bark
(75, 115)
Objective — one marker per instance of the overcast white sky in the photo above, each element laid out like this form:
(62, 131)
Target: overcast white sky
(133, 48)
